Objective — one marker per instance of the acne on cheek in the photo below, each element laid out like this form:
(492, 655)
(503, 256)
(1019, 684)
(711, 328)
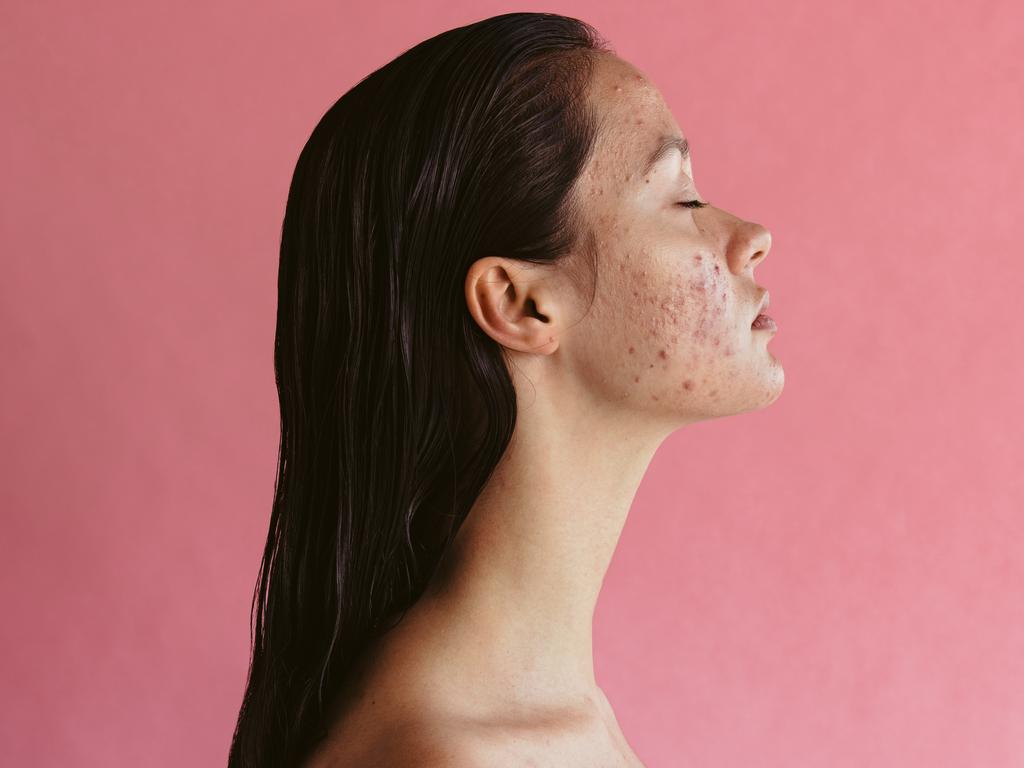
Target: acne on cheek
(709, 294)
(697, 301)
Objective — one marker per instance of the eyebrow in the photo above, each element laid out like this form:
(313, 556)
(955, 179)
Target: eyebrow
(667, 144)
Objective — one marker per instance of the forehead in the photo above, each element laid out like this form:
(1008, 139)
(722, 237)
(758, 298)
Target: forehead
(633, 116)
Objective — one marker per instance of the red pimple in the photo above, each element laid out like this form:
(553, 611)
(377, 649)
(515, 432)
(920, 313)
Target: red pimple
(636, 378)
(688, 384)
(662, 354)
(716, 268)
(631, 350)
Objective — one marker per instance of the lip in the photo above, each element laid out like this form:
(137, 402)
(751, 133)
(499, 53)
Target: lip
(762, 307)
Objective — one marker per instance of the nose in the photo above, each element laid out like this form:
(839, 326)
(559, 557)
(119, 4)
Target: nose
(751, 243)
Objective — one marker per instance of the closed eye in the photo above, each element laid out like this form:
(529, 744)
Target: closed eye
(693, 203)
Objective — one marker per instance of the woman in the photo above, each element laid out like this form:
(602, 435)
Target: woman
(499, 292)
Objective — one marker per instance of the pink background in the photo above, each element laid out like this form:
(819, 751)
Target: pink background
(834, 581)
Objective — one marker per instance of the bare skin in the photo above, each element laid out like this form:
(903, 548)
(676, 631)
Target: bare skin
(494, 665)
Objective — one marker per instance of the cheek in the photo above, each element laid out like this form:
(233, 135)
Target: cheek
(686, 310)
(709, 298)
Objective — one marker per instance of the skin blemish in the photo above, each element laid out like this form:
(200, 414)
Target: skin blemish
(636, 378)
(687, 384)
(713, 392)
(631, 350)
(697, 258)
(655, 397)
(662, 354)
(716, 269)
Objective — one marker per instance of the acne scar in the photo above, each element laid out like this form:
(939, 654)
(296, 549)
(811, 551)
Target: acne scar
(636, 378)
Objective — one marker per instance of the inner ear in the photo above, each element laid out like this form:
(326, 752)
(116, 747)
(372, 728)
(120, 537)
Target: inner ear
(531, 309)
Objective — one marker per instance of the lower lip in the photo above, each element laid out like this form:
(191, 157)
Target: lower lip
(764, 323)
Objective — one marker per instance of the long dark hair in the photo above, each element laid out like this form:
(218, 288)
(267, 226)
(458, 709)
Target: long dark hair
(395, 406)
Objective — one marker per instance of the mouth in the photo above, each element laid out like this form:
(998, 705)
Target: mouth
(763, 321)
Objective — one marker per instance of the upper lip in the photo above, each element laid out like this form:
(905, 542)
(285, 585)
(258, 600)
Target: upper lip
(763, 306)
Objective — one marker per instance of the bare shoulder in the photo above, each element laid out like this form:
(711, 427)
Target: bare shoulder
(413, 742)
(428, 746)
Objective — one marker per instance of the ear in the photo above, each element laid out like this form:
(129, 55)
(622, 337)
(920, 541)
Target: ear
(514, 303)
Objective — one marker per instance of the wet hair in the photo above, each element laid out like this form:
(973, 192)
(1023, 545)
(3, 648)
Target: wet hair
(395, 405)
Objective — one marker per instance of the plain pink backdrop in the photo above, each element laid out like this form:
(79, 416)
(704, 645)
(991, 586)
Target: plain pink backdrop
(836, 581)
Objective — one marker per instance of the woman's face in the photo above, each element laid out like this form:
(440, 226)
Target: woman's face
(670, 327)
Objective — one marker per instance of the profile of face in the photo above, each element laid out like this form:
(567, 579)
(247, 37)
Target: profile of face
(669, 332)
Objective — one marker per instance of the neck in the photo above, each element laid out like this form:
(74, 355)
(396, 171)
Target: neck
(517, 591)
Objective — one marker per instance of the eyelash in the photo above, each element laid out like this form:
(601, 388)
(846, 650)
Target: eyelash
(693, 203)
